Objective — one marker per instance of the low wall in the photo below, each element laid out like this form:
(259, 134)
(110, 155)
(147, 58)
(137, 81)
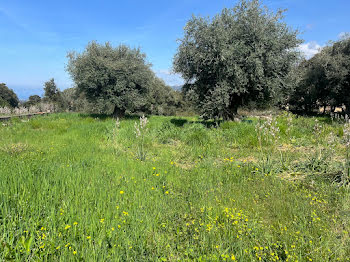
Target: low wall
(5, 118)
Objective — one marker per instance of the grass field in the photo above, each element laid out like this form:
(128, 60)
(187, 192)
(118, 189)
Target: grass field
(72, 188)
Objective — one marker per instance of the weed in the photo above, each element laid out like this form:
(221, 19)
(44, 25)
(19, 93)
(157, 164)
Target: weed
(140, 132)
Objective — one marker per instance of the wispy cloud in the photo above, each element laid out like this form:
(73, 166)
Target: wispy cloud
(343, 35)
(13, 19)
(164, 72)
(309, 26)
(169, 77)
(309, 49)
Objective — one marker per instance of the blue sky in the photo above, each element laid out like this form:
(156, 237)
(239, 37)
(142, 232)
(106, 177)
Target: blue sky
(35, 36)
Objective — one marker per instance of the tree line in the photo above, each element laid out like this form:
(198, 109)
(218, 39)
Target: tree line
(244, 56)
(324, 80)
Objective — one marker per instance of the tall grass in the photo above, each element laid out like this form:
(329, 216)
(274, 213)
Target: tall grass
(200, 195)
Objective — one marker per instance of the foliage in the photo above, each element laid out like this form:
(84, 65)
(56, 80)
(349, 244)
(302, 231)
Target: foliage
(76, 102)
(242, 55)
(324, 79)
(7, 97)
(52, 93)
(163, 100)
(118, 77)
(32, 101)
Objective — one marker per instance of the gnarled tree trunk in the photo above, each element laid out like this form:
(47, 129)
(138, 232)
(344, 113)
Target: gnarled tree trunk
(118, 113)
(232, 112)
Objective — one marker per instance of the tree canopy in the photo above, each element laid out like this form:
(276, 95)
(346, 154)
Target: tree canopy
(53, 94)
(116, 76)
(243, 54)
(33, 100)
(324, 80)
(162, 99)
(7, 96)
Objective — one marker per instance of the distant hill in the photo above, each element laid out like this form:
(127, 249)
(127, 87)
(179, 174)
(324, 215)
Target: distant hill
(177, 88)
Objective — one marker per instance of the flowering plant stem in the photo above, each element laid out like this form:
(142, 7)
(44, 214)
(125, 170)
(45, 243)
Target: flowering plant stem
(140, 130)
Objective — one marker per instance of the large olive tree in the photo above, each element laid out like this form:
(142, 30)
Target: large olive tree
(243, 54)
(116, 76)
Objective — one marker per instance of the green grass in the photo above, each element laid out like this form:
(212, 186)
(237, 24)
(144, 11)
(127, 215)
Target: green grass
(72, 189)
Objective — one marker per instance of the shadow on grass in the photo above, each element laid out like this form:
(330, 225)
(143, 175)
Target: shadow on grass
(182, 122)
(323, 118)
(106, 116)
(179, 122)
(206, 123)
(99, 116)
(248, 121)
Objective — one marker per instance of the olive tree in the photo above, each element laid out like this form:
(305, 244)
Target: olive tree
(338, 73)
(325, 79)
(241, 55)
(163, 100)
(118, 77)
(32, 101)
(7, 96)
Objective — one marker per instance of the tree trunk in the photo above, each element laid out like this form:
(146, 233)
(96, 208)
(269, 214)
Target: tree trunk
(118, 113)
(333, 109)
(233, 112)
(347, 110)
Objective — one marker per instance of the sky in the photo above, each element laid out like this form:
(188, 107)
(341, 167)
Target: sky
(35, 36)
